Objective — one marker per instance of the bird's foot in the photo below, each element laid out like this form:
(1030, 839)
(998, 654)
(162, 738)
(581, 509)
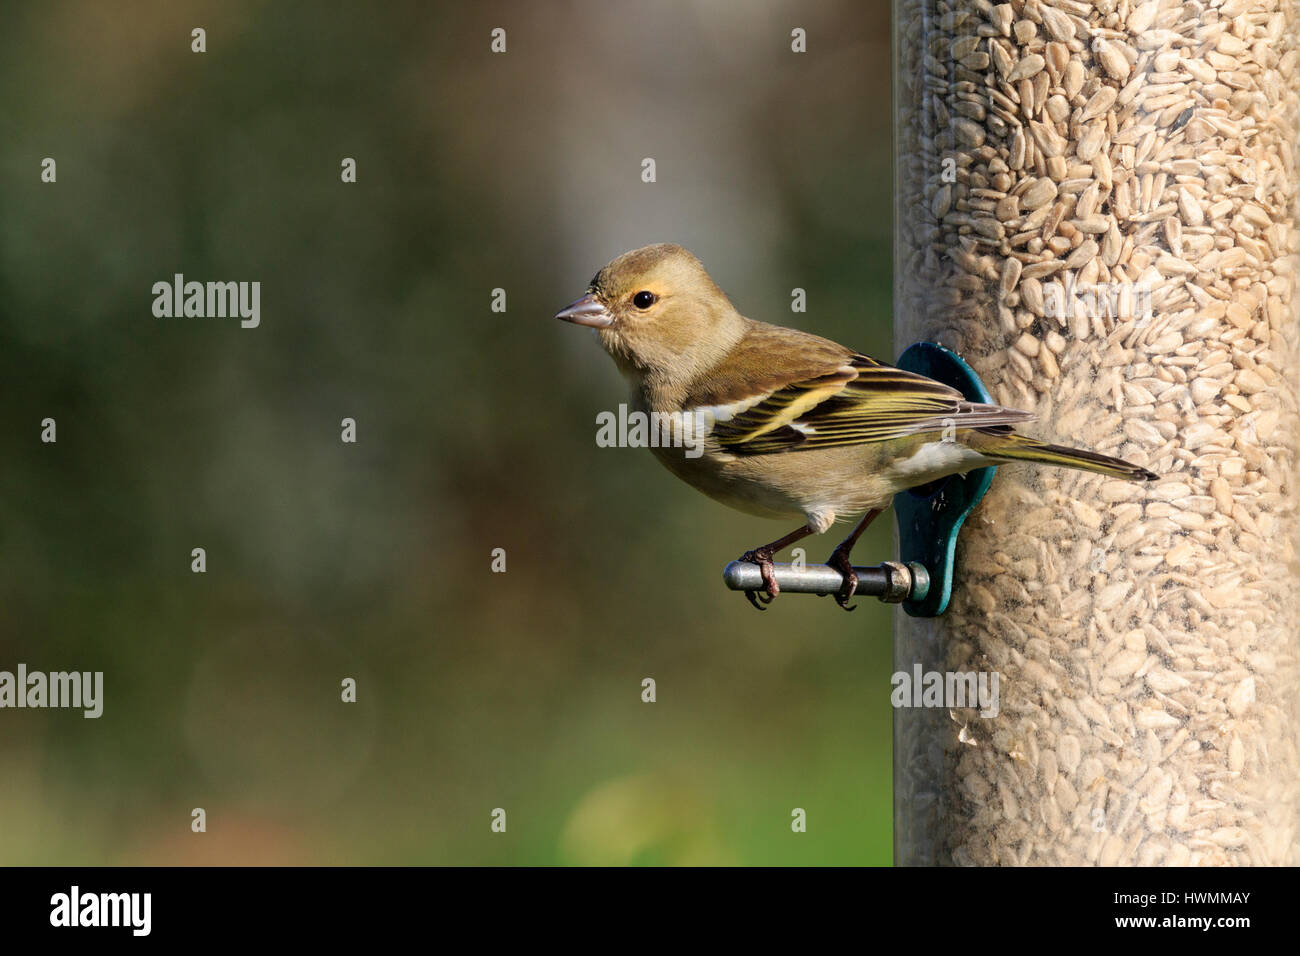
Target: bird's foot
(763, 558)
(839, 560)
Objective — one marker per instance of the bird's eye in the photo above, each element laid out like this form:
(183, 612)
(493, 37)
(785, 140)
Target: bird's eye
(643, 299)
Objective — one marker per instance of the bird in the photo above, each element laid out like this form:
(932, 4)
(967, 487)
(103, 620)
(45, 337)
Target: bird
(781, 423)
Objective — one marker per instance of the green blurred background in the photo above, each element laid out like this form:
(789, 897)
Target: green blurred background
(476, 430)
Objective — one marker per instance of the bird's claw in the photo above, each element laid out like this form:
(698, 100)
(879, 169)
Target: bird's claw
(839, 560)
(763, 558)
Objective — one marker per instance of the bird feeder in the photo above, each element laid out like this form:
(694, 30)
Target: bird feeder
(1096, 210)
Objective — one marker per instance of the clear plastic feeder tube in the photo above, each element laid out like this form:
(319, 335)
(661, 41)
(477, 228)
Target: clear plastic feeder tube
(1096, 207)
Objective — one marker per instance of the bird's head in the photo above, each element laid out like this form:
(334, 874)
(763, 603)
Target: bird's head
(658, 313)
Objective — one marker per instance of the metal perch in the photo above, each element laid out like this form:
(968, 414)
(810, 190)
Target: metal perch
(891, 581)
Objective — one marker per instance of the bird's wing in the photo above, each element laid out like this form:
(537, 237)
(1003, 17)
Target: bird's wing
(859, 401)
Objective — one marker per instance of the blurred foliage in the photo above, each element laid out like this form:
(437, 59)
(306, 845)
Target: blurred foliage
(476, 431)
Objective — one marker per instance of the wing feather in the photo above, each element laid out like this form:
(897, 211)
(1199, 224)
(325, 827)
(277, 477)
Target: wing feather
(861, 401)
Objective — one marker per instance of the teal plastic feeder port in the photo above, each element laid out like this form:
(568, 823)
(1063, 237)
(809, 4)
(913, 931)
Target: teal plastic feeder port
(930, 517)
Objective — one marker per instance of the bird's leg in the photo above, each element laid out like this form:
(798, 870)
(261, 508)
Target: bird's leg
(763, 558)
(839, 560)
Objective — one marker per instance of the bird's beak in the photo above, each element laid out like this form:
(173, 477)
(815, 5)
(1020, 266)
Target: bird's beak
(587, 311)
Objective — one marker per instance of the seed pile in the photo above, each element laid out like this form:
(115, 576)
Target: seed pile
(1097, 209)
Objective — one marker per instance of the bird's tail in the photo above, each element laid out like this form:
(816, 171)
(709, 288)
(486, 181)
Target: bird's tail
(1011, 447)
